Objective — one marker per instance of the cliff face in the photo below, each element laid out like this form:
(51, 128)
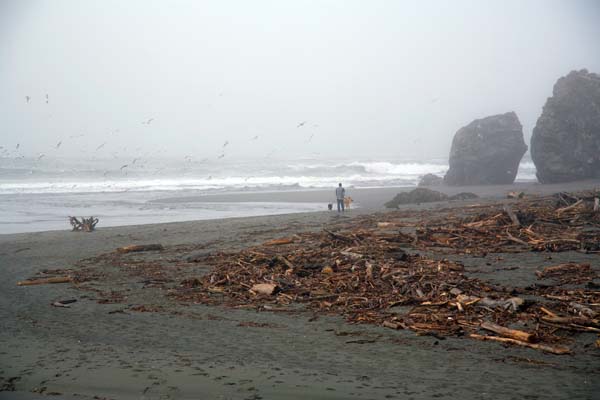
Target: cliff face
(565, 145)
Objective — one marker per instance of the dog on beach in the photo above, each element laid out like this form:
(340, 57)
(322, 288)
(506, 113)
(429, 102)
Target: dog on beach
(347, 201)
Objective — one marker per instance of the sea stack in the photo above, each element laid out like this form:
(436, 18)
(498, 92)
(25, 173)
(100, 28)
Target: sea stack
(487, 151)
(565, 145)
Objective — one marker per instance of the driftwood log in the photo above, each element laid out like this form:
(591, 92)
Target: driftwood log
(139, 247)
(538, 346)
(43, 281)
(510, 333)
(85, 225)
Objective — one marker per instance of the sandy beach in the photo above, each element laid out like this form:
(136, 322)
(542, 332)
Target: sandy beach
(107, 350)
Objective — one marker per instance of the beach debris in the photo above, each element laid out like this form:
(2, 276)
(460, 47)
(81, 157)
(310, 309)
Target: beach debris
(44, 281)
(277, 242)
(510, 333)
(140, 247)
(515, 195)
(392, 270)
(83, 225)
(538, 346)
(63, 303)
(264, 288)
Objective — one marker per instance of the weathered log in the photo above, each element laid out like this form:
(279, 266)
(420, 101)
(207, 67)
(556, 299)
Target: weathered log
(276, 242)
(286, 262)
(583, 321)
(538, 346)
(43, 281)
(510, 333)
(512, 215)
(394, 325)
(339, 236)
(561, 210)
(265, 288)
(516, 240)
(140, 247)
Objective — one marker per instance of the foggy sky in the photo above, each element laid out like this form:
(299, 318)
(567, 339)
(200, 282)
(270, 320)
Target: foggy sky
(372, 79)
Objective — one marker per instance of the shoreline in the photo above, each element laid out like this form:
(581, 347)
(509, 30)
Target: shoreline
(187, 207)
(102, 348)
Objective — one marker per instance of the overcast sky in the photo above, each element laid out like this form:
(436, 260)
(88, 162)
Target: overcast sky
(371, 78)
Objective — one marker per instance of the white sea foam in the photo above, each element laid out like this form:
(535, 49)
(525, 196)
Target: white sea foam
(230, 177)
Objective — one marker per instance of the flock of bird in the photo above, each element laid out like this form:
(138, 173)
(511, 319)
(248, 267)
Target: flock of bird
(5, 152)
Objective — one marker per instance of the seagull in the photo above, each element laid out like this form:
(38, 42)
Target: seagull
(301, 124)
(17, 147)
(40, 156)
(58, 144)
(226, 143)
(46, 98)
(124, 166)
(27, 98)
(310, 138)
(221, 156)
(134, 160)
(148, 122)
(101, 146)
(255, 137)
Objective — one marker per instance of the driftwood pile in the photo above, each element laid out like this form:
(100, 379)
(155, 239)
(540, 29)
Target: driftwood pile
(365, 275)
(83, 225)
(390, 269)
(556, 223)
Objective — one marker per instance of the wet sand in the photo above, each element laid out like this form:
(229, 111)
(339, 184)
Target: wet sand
(196, 352)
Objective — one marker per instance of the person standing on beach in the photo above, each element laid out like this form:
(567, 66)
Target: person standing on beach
(340, 193)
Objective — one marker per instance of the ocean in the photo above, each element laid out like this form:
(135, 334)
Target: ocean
(40, 194)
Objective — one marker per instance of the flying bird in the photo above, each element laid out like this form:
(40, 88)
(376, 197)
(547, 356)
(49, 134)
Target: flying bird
(148, 122)
(226, 143)
(46, 98)
(221, 156)
(101, 146)
(301, 124)
(255, 137)
(310, 138)
(40, 156)
(17, 146)
(58, 144)
(123, 166)
(27, 98)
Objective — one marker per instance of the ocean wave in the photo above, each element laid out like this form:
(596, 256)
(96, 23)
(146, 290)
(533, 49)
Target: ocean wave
(308, 175)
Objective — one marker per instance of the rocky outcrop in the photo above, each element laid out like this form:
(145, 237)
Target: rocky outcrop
(416, 196)
(565, 145)
(487, 151)
(431, 180)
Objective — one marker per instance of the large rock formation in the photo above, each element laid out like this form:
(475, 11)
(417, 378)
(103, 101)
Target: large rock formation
(487, 151)
(565, 145)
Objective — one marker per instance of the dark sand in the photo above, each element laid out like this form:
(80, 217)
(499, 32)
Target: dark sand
(200, 352)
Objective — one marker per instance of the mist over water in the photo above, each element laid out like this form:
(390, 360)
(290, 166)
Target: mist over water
(110, 106)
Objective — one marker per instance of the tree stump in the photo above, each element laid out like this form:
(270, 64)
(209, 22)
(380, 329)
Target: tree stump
(83, 225)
